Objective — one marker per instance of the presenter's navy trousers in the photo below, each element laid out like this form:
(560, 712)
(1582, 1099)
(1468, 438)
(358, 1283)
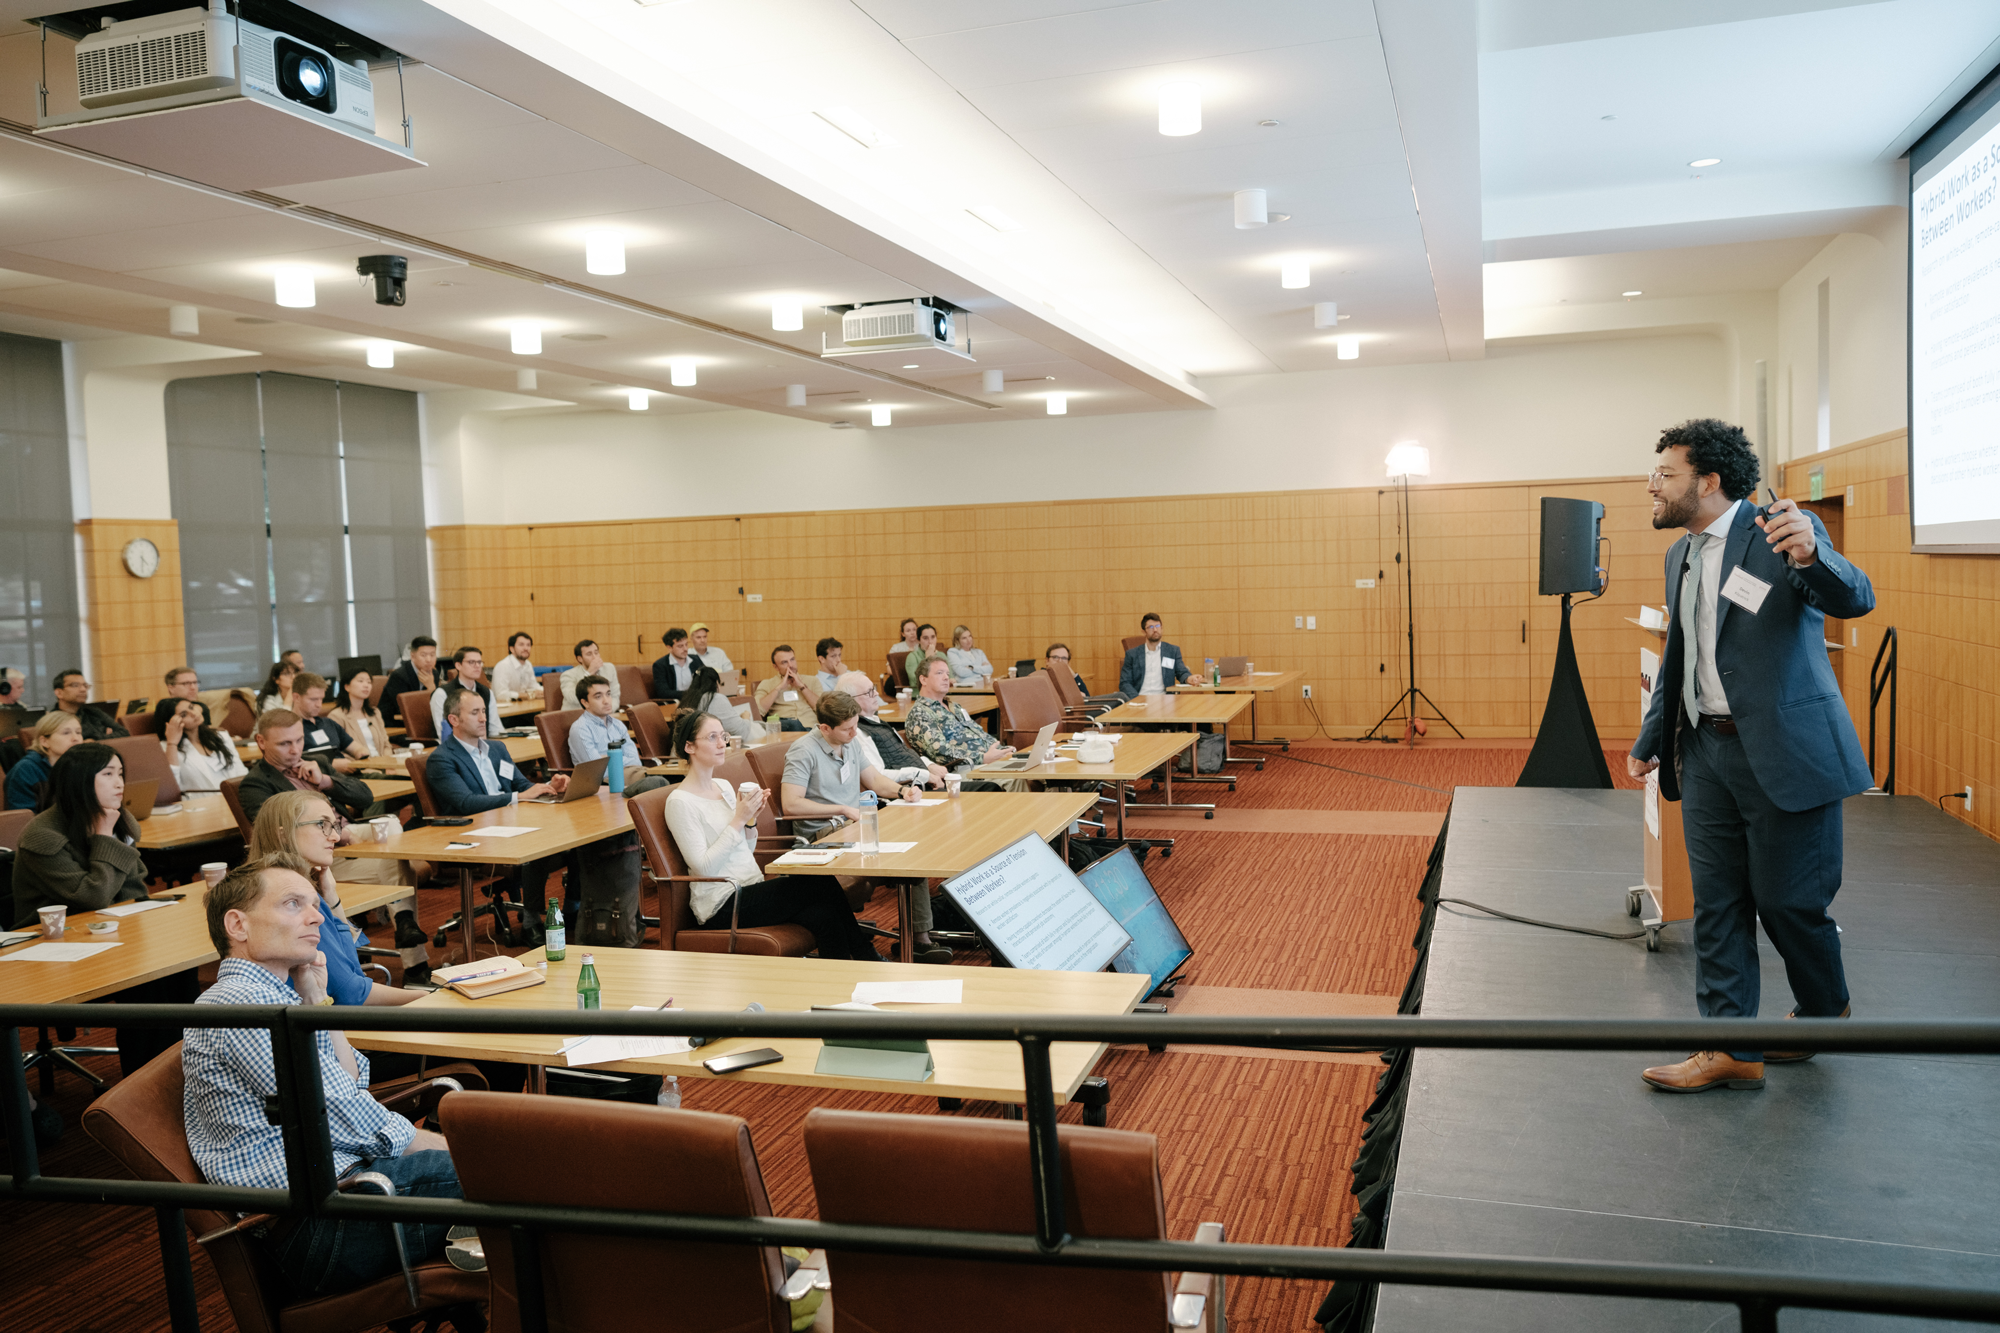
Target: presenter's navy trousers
(1749, 860)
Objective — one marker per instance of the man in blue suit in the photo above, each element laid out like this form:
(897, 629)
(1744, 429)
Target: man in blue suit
(1749, 732)
(469, 774)
(1151, 666)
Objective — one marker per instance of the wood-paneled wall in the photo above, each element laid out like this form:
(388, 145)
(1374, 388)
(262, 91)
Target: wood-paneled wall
(1946, 611)
(136, 627)
(1229, 574)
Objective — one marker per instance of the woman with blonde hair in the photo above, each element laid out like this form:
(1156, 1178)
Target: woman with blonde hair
(968, 663)
(27, 781)
(302, 823)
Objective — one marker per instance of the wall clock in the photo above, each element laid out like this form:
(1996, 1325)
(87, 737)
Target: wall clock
(142, 558)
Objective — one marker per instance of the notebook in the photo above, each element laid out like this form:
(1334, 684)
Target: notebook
(488, 976)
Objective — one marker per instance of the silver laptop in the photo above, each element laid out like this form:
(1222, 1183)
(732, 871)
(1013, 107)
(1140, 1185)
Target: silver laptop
(584, 780)
(1032, 756)
(1234, 666)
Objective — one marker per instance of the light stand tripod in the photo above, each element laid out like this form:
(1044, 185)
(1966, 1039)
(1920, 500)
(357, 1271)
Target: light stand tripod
(1414, 693)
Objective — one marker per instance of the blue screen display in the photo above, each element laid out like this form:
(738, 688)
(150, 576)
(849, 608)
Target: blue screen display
(1158, 948)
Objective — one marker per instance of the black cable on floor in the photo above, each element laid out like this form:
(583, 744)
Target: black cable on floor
(1358, 772)
(1546, 925)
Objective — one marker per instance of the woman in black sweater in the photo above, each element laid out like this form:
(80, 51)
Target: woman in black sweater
(82, 853)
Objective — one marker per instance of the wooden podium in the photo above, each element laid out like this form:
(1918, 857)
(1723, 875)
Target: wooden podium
(1667, 892)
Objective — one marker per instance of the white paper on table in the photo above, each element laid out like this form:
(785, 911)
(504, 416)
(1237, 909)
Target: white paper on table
(605, 1050)
(909, 992)
(58, 953)
(1653, 803)
(928, 800)
(882, 848)
(128, 909)
(503, 831)
(11, 937)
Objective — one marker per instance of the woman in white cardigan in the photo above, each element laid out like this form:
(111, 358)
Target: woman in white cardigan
(717, 836)
(202, 757)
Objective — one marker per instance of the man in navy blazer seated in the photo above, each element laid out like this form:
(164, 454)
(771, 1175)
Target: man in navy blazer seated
(1151, 666)
(469, 774)
(1749, 732)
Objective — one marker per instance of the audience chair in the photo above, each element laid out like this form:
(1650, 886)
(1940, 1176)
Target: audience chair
(415, 706)
(138, 1121)
(1075, 704)
(141, 724)
(554, 730)
(944, 1173)
(232, 793)
(735, 770)
(678, 928)
(767, 763)
(144, 758)
(635, 685)
(1132, 641)
(46, 1053)
(496, 904)
(899, 669)
(239, 716)
(642, 1159)
(552, 700)
(652, 729)
(1027, 704)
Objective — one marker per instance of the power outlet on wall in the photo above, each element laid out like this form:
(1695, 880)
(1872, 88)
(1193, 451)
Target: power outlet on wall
(1298, 622)
(1312, 622)
(1309, 691)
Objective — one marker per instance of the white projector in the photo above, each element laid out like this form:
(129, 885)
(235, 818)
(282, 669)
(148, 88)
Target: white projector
(897, 326)
(195, 50)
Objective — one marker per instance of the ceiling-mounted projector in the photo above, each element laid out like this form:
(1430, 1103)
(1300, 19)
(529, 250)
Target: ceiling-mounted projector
(918, 325)
(202, 94)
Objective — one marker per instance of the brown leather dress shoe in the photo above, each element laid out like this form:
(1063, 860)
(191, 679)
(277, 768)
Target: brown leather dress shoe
(1705, 1070)
(1797, 1057)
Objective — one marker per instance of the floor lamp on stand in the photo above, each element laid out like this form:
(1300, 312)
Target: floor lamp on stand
(1406, 460)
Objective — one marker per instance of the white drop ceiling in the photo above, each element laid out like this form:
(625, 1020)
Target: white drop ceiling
(1413, 139)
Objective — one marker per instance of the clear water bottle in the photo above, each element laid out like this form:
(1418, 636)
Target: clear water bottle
(670, 1092)
(615, 769)
(871, 825)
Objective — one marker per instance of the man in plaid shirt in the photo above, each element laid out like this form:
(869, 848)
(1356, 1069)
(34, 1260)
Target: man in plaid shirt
(264, 919)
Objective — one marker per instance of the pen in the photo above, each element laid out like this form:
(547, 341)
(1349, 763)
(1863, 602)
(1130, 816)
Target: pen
(474, 976)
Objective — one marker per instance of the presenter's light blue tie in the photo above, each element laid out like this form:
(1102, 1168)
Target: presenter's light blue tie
(1691, 626)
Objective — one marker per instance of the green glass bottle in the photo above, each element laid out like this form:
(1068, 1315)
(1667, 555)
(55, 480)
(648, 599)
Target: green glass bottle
(555, 940)
(588, 993)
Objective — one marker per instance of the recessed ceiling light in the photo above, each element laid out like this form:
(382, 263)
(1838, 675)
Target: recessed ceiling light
(583, 337)
(913, 367)
(1347, 347)
(681, 371)
(1058, 404)
(603, 252)
(993, 217)
(1607, 117)
(1632, 293)
(1267, 124)
(525, 339)
(638, 399)
(381, 355)
(788, 314)
(293, 287)
(1706, 162)
(854, 125)
(878, 415)
(1295, 273)
(1180, 108)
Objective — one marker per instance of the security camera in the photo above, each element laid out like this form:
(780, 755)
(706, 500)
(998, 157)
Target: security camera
(390, 272)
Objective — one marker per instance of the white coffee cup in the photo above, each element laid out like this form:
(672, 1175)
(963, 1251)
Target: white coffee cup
(386, 827)
(1011, 671)
(53, 920)
(416, 747)
(213, 871)
(951, 781)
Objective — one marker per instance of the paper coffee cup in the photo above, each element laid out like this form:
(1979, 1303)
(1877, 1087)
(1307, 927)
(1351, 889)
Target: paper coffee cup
(386, 827)
(213, 871)
(951, 781)
(416, 747)
(53, 919)
(747, 789)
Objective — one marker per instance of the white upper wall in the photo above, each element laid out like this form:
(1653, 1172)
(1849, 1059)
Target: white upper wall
(1867, 281)
(1569, 409)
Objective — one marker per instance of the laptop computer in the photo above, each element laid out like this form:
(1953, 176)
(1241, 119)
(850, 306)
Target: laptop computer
(140, 794)
(1031, 756)
(1234, 666)
(1025, 667)
(584, 780)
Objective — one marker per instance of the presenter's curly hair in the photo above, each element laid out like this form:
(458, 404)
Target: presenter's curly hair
(1718, 447)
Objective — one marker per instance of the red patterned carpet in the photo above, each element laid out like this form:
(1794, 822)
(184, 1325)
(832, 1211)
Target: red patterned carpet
(1262, 1145)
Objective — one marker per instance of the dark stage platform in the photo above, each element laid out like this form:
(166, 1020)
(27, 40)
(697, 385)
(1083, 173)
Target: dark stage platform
(1849, 1165)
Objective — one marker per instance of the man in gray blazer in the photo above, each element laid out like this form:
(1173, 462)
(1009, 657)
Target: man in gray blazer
(1749, 732)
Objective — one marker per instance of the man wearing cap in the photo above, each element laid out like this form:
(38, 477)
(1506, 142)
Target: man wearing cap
(706, 653)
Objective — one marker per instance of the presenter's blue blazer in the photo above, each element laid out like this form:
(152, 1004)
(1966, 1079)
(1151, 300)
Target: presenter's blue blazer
(454, 778)
(1786, 703)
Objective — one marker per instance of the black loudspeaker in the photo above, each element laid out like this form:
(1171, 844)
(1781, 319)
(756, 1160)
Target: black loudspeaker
(1569, 545)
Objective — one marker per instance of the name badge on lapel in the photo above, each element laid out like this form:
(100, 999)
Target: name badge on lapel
(1167, 663)
(1746, 590)
(506, 771)
(316, 741)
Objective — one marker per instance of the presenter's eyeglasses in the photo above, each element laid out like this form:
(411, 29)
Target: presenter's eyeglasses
(1657, 478)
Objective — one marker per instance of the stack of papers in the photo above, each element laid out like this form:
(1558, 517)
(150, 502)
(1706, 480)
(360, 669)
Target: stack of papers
(909, 992)
(58, 953)
(130, 909)
(608, 1050)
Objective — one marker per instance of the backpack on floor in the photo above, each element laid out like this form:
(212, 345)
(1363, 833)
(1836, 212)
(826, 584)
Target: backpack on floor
(608, 884)
(1210, 752)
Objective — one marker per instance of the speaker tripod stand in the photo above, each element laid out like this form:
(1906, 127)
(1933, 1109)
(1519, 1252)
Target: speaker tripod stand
(1405, 706)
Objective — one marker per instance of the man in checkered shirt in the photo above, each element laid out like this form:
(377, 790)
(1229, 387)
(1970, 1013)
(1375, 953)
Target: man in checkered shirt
(264, 919)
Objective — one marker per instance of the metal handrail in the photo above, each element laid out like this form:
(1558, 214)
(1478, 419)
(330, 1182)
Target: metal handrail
(1878, 679)
(1758, 1294)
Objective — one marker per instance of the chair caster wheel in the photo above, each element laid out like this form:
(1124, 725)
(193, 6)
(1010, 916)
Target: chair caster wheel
(1652, 939)
(1632, 902)
(1260, 766)
(1208, 814)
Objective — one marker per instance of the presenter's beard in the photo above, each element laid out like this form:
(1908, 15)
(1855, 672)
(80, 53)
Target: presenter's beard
(1677, 513)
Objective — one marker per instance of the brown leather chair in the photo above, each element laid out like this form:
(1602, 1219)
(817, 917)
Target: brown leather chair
(644, 1159)
(11, 824)
(767, 765)
(232, 794)
(413, 766)
(1027, 704)
(141, 724)
(635, 685)
(899, 668)
(239, 716)
(554, 730)
(735, 769)
(415, 707)
(138, 1121)
(652, 728)
(947, 1173)
(144, 758)
(552, 700)
(1132, 641)
(1075, 703)
(678, 928)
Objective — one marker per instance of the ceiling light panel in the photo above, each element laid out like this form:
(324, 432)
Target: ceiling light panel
(603, 252)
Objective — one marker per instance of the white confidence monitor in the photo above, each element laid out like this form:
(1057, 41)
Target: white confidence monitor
(1955, 331)
(1035, 912)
